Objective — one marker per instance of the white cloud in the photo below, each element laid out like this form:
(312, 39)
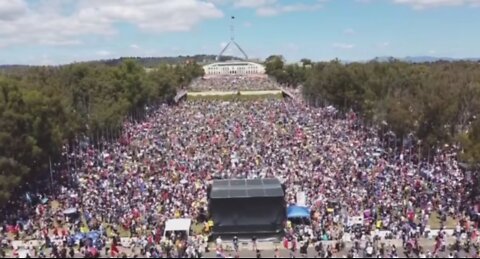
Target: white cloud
(11, 9)
(253, 3)
(273, 10)
(152, 15)
(48, 28)
(134, 46)
(432, 52)
(343, 46)
(422, 4)
(272, 7)
(49, 24)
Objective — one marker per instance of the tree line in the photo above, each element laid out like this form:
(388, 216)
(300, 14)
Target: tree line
(438, 103)
(44, 108)
(148, 62)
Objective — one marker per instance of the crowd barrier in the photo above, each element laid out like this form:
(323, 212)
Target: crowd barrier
(127, 242)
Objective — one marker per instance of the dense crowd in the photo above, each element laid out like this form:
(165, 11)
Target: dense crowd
(160, 169)
(235, 83)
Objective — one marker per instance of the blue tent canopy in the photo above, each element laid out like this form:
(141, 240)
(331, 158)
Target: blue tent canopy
(298, 212)
(94, 235)
(79, 236)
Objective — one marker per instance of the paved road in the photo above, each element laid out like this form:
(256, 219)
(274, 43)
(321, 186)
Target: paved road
(311, 253)
(267, 250)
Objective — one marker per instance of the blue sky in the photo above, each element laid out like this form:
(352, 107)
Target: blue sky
(64, 31)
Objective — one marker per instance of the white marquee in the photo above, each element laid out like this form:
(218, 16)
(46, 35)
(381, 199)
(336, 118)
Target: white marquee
(178, 225)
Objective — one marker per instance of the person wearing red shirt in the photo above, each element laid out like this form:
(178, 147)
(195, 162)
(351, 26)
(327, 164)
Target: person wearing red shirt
(114, 249)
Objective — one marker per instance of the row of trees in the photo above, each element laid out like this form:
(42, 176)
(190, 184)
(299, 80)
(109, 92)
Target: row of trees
(290, 75)
(439, 103)
(46, 107)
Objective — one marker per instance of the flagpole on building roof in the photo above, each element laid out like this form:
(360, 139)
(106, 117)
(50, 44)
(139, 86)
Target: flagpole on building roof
(232, 29)
(232, 41)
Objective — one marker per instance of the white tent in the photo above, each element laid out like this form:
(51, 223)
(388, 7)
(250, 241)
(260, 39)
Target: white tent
(178, 225)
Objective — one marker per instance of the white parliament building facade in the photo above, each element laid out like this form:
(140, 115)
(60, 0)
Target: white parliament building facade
(234, 68)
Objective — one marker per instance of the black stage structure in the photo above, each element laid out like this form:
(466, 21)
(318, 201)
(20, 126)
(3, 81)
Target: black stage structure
(247, 207)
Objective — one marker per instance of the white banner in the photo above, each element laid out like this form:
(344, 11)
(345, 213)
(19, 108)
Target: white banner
(301, 199)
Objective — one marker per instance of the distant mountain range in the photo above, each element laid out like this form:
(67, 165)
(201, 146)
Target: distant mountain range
(151, 62)
(148, 62)
(424, 59)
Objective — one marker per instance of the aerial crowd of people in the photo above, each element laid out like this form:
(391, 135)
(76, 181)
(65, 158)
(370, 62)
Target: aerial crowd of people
(234, 83)
(161, 168)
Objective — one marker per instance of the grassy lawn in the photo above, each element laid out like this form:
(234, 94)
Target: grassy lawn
(234, 97)
(196, 90)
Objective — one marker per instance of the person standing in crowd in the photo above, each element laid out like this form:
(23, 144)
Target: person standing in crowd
(276, 253)
(219, 243)
(235, 244)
